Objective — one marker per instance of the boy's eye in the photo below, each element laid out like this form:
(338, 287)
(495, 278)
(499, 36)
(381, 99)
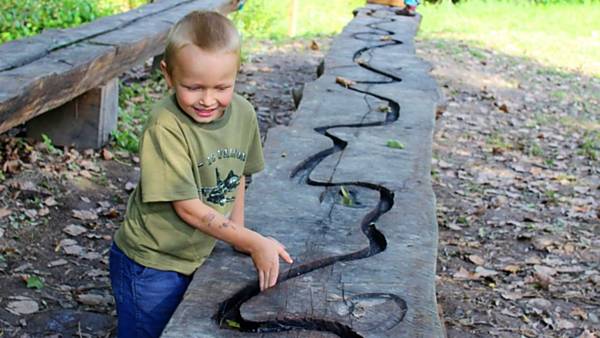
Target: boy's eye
(223, 88)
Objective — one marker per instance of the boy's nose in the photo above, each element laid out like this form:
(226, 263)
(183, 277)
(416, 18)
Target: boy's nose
(207, 98)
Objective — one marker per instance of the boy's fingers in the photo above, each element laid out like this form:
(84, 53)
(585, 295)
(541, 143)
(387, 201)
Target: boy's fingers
(261, 280)
(286, 257)
(274, 274)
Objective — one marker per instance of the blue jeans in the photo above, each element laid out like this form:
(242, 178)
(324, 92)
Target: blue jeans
(145, 297)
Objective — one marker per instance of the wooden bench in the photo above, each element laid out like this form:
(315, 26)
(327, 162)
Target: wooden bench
(68, 77)
(347, 189)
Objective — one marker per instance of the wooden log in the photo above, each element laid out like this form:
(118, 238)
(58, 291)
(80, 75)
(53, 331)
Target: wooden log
(357, 216)
(43, 72)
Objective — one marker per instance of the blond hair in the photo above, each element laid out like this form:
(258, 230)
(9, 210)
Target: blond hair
(210, 31)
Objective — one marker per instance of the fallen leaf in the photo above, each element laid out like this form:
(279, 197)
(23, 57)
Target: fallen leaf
(50, 201)
(92, 299)
(483, 272)
(43, 212)
(503, 108)
(511, 295)
(394, 144)
(564, 324)
(511, 268)
(85, 173)
(129, 186)
(542, 243)
(31, 213)
(34, 282)
(107, 155)
(97, 273)
(85, 215)
(477, 260)
(578, 312)
(73, 250)
(11, 167)
(587, 334)
(91, 256)
(344, 82)
(74, 230)
(57, 262)
(463, 274)
(314, 45)
(23, 306)
(546, 270)
(4, 212)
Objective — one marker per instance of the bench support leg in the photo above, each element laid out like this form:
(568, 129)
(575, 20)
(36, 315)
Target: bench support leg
(85, 122)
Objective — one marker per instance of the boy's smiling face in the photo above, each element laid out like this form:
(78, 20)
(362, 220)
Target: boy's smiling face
(203, 81)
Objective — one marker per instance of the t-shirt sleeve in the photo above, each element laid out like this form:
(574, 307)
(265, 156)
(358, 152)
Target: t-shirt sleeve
(255, 161)
(166, 166)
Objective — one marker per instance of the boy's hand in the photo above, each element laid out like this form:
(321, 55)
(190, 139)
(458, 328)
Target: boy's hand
(265, 254)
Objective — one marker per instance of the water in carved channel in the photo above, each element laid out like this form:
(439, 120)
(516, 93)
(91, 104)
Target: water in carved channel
(229, 310)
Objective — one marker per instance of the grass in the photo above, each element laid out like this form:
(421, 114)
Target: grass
(269, 19)
(560, 35)
(135, 102)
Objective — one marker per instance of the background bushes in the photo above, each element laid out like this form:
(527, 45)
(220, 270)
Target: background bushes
(21, 18)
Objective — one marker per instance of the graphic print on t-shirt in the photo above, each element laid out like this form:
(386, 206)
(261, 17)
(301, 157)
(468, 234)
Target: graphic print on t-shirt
(217, 194)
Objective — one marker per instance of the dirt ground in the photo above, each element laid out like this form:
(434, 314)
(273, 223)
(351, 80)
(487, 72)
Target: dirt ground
(514, 171)
(60, 207)
(516, 175)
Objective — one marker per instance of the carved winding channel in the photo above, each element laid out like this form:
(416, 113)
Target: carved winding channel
(229, 310)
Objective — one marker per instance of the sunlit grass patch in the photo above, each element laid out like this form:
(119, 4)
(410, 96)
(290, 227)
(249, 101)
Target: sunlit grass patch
(268, 19)
(558, 35)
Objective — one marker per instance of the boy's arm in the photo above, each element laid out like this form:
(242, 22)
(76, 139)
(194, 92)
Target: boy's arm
(264, 251)
(237, 213)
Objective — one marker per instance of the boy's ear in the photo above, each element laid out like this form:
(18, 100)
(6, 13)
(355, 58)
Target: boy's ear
(165, 72)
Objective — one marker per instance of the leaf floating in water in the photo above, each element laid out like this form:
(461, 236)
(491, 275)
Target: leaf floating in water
(362, 62)
(346, 198)
(233, 324)
(385, 38)
(395, 144)
(384, 108)
(344, 82)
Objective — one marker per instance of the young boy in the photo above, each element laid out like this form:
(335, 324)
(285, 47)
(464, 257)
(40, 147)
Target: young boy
(195, 151)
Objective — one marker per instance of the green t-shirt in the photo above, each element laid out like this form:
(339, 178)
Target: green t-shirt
(181, 159)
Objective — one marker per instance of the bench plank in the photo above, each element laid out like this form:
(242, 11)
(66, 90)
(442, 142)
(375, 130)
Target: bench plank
(48, 70)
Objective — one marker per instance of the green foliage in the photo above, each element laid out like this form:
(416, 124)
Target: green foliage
(22, 18)
(537, 30)
(395, 144)
(232, 324)
(49, 145)
(35, 282)
(135, 103)
(269, 19)
(590, 145)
